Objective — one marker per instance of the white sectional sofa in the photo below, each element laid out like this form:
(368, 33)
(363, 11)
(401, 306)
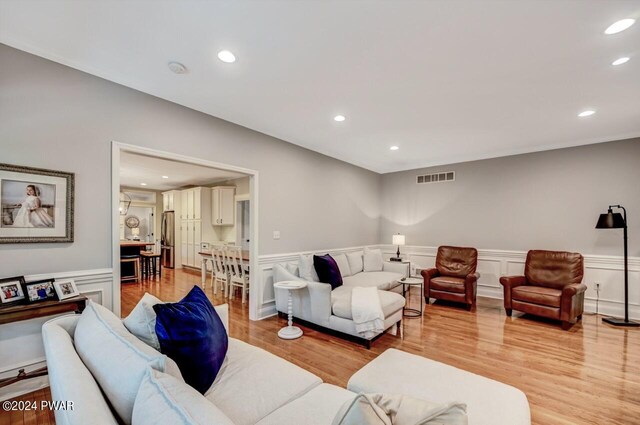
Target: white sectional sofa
(319, 305)
(256, 387)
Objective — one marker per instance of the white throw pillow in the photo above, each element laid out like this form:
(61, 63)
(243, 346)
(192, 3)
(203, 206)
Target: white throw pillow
(281, 274)
(355, 262)
(142, 321)
(165, 400)
(116, 358)
(392, 409)
(343, 264)
(373, 260)
(306, 268)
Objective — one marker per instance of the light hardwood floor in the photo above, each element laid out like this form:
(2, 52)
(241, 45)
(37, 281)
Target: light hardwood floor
(587, 375)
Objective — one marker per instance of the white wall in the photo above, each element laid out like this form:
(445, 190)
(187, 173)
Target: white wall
(52, 116)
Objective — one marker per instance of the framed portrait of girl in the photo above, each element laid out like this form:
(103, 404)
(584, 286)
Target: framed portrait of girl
(37, 205)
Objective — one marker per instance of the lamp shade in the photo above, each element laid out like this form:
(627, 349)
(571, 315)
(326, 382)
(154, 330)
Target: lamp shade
(397, 240)
(610, 220)
(135, 231)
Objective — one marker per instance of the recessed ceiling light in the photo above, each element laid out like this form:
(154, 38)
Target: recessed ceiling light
(339, 118)
(619, 26)
(165, 177)
(143, 184)
(394, 148)
(177, 67)
(586, 113)
(226, 56)
(620, 61)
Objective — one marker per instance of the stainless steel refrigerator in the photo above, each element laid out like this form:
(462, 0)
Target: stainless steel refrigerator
(168, 240)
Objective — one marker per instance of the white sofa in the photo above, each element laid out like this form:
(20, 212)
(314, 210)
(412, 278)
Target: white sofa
(319, 305)
(256, 387)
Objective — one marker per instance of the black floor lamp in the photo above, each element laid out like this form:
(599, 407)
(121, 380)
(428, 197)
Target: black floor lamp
(612, 220)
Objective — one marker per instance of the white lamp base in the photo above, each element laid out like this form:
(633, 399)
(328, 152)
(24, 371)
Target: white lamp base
(290, 332)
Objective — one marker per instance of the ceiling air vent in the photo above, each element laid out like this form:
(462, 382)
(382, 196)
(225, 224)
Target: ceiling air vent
(446, 176)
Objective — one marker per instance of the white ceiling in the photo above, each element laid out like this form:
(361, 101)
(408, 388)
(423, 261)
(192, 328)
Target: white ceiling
(136, 169)
(446, 81)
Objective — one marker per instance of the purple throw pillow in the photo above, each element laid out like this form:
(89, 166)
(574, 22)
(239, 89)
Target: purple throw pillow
(192, 334)
(328, 270)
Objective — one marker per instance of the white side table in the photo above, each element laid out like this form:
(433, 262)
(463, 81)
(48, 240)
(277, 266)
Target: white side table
(290, 331)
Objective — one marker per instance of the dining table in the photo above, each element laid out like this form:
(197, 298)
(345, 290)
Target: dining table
(207, 257)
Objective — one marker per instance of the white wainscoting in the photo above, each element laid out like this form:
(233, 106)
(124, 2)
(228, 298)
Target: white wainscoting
(608, 271)
(266, 296)
(21, 342)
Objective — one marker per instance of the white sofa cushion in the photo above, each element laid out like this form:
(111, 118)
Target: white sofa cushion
(142, 321)
(355, 259)
(382, 280)
(306, 269)
(317, 407)
(252, 383)
(165, 400)
(398, 372)
(341, 302)
(115, 357)
(343, 264)
(373, 261)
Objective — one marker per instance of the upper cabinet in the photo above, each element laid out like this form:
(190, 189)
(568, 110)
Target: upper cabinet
(223, 205)
(170, 200)
(193, 202)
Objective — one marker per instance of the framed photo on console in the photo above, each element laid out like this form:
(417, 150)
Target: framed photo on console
(40, 290)
(11, 290)
(65, 289)
(36, 205)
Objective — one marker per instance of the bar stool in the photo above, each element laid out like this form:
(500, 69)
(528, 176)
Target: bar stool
(126, 259)
(151, 264)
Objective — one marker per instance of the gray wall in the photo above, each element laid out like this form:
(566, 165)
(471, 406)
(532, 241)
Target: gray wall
(52, 116)
(546, 200)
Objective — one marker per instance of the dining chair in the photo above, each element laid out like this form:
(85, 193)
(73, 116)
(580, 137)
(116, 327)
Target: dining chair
(238, 272)
(219, 273)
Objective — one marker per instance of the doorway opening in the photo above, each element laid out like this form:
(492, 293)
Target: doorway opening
(175, 212)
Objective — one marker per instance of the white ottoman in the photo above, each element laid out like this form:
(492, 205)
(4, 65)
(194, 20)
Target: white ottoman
(488, 402)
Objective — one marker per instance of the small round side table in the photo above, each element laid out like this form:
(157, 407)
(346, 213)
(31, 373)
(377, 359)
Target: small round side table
(409, 282)
(290, 331)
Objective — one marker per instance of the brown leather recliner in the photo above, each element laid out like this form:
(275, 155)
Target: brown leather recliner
(454, 278)
(551, 287)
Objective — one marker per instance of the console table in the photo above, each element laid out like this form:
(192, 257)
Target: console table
(16, 313)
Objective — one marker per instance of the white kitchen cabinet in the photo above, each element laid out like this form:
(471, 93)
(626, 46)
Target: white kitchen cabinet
(196, 203)
(223, 205)
(171, 200)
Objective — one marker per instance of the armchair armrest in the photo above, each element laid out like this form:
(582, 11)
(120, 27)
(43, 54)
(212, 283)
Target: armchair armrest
(510, 282)
(573, 289)
(429, 273)
(396, 267)
(572, 304)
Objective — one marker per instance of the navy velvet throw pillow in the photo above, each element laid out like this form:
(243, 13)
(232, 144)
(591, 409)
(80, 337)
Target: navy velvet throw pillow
(328, 270)
(191, 333)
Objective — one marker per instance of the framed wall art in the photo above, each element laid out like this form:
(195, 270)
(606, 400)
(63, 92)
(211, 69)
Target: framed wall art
(37, 205)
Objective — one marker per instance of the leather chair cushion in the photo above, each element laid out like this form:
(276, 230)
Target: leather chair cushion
(447, 284)
(537, 295)
(553, 269)
(456, 261)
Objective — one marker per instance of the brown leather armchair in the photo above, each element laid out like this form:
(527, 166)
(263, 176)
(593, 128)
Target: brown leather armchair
(551, 287)
(454, 278)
